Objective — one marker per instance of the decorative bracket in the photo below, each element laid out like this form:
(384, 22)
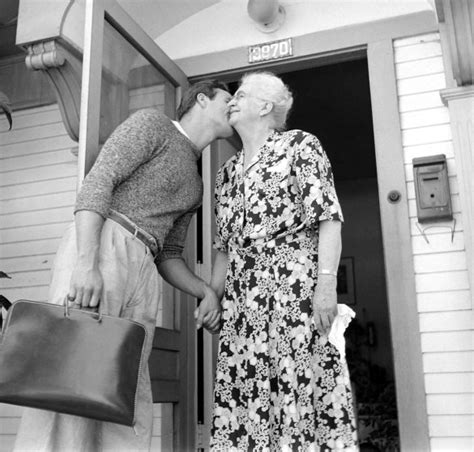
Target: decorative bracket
(64, 70)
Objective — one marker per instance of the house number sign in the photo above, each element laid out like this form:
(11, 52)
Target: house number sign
(270, 51)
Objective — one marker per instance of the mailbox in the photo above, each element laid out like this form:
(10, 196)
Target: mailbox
(433, 197)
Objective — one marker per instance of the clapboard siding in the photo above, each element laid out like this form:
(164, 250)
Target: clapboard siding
(37, 193)
(432, 263)
(450, 404)
(445, 321)
(448, 341)
(449, 383)
(465, 444)
(449, 362)
(454, 300)
(443, 292)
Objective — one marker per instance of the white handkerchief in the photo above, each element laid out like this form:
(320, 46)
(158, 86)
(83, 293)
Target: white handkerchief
(336, 336)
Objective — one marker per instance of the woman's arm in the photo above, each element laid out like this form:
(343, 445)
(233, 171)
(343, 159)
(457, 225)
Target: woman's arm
(325, 294)
(219, 272)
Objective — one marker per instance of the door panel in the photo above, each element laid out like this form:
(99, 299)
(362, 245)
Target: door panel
(134, 73)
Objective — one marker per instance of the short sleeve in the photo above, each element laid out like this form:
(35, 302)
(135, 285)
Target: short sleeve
(315, 182)
(173, 244)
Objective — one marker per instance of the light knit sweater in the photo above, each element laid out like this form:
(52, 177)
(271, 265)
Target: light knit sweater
(147, 170)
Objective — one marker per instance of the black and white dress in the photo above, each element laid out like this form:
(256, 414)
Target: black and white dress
(280, 386)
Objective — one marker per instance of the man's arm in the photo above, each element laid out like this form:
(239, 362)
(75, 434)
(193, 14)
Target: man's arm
(177, 273)
(86, 280)
(325, 294)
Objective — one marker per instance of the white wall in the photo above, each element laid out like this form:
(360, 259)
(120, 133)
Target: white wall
(443, 293)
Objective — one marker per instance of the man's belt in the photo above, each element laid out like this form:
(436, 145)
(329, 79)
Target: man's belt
(140, 234)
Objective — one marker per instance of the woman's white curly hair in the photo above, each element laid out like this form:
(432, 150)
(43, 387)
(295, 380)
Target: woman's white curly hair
(272, 88)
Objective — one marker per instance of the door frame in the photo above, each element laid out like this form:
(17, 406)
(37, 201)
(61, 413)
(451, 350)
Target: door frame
(375, 42)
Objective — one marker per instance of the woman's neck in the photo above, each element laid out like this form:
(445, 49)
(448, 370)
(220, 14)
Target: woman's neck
(252, 140)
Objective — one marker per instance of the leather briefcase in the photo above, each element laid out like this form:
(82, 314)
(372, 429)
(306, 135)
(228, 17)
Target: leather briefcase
(71, 361)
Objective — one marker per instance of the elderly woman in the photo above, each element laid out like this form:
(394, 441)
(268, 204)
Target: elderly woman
(280, 384)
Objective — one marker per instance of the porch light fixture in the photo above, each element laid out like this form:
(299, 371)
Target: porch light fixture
(268, 15)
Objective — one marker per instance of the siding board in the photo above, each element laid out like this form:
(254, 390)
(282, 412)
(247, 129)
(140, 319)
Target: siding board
(49, 201)
(36, 217)
(28, 189)
(404, 42)
(422, 150)
(419, 101)
(31, 134)
(438, 243)
(421, 84)
(47, 172)
(426, 135)
(449, 426)
(422, 118)
(420, 67)
(38, 146)
(465, 444)
(447, 341)
(449, 383)
(446, 321)
(33, 248)
(444, 301)
(28, 263)
(38, 160)
(435, 282)
(432, 263)
(417, 52)
(448, 362)
(35, 232)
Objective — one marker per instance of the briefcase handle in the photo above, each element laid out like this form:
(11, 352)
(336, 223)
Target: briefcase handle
(98, 313)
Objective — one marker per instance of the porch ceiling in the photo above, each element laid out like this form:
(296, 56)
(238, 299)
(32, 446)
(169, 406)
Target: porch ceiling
(154, 16)
(158, 16)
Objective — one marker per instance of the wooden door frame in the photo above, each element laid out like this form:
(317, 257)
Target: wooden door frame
(375, 42)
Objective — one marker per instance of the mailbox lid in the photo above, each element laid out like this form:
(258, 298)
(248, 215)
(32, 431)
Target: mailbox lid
(429, 160)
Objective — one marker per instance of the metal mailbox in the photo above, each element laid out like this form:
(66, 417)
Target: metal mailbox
(433, 197)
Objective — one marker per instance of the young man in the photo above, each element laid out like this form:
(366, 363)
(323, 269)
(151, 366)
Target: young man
(131, 216)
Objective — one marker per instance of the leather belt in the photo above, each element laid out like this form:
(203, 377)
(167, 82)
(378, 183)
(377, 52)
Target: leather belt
(140, 234)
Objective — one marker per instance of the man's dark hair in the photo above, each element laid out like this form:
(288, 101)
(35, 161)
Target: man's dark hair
(207, 87)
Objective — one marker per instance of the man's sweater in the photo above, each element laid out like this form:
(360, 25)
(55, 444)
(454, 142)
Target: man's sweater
(147, 171)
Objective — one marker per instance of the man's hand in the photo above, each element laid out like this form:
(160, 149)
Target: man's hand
(208, 313)
(325, 303)
(86, 285)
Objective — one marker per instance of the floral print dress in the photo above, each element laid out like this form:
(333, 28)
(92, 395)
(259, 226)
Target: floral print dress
(280, 386)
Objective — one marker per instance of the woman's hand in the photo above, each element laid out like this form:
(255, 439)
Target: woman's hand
(208, 313)
(325, 303)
